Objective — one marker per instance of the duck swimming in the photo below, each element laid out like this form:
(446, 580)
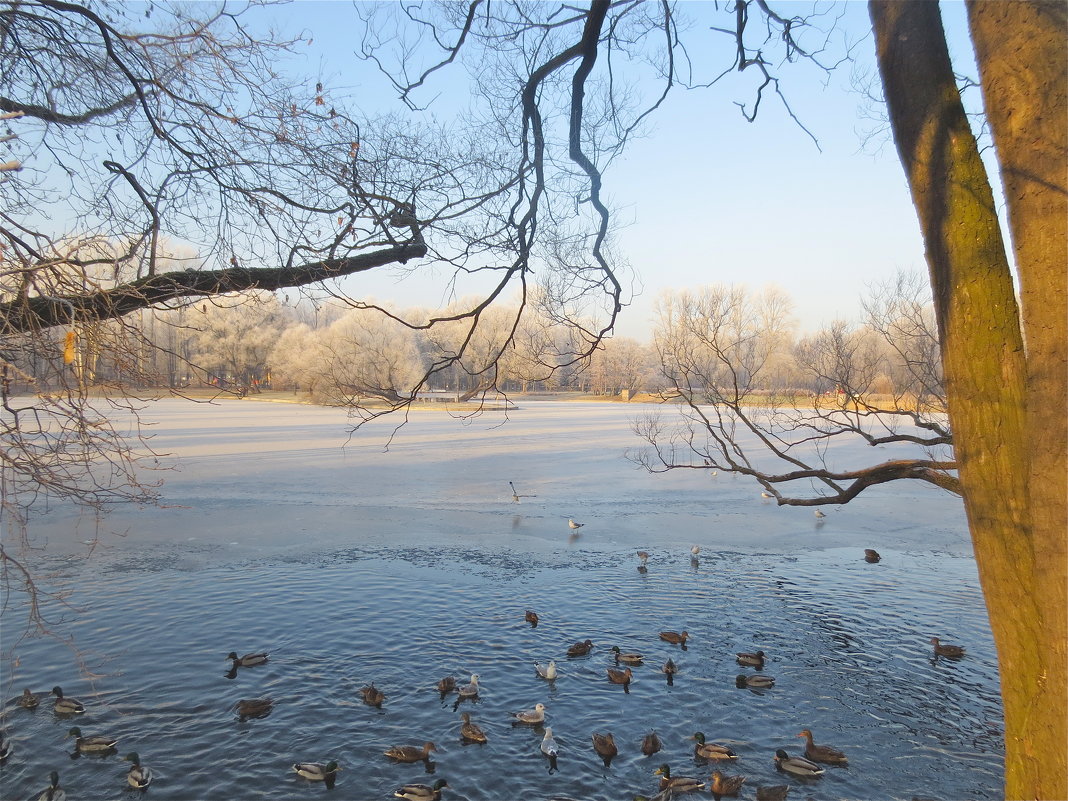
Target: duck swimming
(678, 784)
(580, 648)
(411, 753)
(651, 744)
(138, 776)
(627, 658)
(711, 750)
(822, 753)
(798, 766)
(471, 732)
(96, 744)
(420, 792)
(248, 660)
(64, 705)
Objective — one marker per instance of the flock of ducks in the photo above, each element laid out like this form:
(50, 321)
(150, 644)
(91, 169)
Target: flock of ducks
(139, 776)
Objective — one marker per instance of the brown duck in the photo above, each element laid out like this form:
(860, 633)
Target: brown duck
(725, 785)
(471, 732)
(411, 753)
(822, 753)
(651, 744)
(674, 637)
(580, 648)
(942, 649)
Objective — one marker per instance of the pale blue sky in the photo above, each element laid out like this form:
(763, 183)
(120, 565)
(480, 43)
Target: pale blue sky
(709, 197)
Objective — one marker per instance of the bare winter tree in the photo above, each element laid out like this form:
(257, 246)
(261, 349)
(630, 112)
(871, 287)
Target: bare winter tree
(181, 125)
(726, 353)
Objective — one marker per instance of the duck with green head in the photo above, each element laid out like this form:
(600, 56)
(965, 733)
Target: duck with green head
(67, 706)
(711, 750)
(138, 776)
(54, 791)
(797, 766)
(677, 784)
(627, 658)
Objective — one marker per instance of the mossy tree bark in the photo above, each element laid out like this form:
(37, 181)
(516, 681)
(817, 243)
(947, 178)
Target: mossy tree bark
(1006, 404)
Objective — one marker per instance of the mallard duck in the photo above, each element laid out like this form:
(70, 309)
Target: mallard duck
(774, 792)
(411, 753)
(532, 618)
(754, 682)
(605, 745)
(138, 776)
(470, 690)
(372, 696)
(6, 746)
(651, 744)
(535, 715)
(28, 700)
(627, 658)
(619, 676)
(471, 732)
(254, 707)
(54, 791)
(446, 685)
(670, 669)
(546, 671)
(674, 637)
(798, 766)
(248, 660)
(95, 744)
(871, 555)
(946, 650)
(421, 792)
(67, 706)
(580, 648)
(678, 784)
(822, 753)
(316, 771)
(725, 785)
(711, 750)
(751, 658)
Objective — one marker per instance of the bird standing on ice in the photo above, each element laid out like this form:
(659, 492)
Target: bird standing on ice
(573, 524)
(819, 514)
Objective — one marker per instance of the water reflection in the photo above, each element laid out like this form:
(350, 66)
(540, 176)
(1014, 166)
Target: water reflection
(846, 643)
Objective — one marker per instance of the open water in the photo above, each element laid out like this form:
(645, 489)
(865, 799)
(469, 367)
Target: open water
(847, 645)
(392, 597)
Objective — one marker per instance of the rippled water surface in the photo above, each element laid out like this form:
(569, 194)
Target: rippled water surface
(846, 641)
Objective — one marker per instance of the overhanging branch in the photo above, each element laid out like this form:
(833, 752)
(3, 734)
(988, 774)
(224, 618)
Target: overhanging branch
(37, 312)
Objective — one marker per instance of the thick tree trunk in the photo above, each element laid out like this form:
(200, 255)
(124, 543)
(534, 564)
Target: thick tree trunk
(1022, 52)
(1020, 558)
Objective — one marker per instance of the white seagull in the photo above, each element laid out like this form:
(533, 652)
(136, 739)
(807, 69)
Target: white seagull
(548, 744)
(471, 690)
(820, 515)
(546, 671)
(573, 524)
(766, 494)
(535, 715)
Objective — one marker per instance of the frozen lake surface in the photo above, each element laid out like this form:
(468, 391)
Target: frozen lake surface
(351, 564)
